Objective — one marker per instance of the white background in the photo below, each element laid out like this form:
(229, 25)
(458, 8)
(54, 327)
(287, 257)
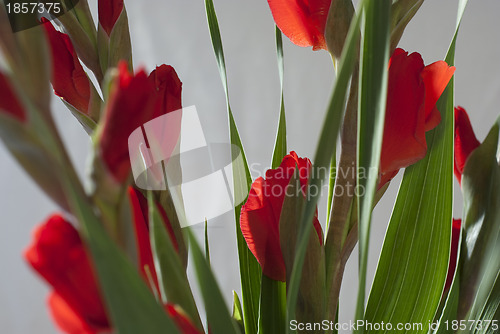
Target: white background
(175, 32)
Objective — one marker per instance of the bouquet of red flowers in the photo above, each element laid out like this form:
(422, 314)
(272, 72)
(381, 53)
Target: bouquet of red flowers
(116, 255)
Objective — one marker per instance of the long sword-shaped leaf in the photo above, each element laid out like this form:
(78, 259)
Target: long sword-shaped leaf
(172, 277)
(280, 148)
(250, 272)
(272, 307)
(481, 187)
(489, 316)
(219, 319)
(371, 117)
(413, 265)
(272, 310)
(324, 152)
(449, 311)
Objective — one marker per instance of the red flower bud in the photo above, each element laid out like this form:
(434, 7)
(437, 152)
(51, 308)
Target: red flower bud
(8, 100)
(69, 80)
(59, 256)
(303, 22)
(109, 12)
(68, 320)
(136, 100)
(465, 141)
(413, 91)
(260, 215)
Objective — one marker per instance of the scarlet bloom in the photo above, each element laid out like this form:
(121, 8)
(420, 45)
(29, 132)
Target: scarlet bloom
(303, 22)
(135, 100)
(109, 12)
(69, 80)
(141, 226)
(9, 103)
(455, 240)
(413, 91)
(58, 255)
(465, 141)
(260, 215)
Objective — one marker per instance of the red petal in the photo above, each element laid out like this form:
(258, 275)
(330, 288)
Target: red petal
(141, 226)
(169, 89)
(137, 100)
(303, 21)
(465, 141)
(386, 177)
(69, 80)
(109, 12)
(66, 318)
(404, 132)
(260, 215)
(413, 91)
(436, 77)
(130, 105)
(58, 255)
(8, 100)
(140, 209)
(259, 225)
(164, 137)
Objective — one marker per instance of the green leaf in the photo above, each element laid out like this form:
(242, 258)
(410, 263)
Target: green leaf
(238, 312)
(250, 271)
(280, 148)
(311, 299)
(172, 278)
(324, 152)
(490, 313)
(481, 187)
(371, 119)
(131, 305)
(219, 319)
(33, 157)
(449, 311)
(207, 245)
(331, 188)
(272, 311)
(413, 264)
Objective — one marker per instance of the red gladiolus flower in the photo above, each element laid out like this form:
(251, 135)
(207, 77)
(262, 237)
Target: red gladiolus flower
(413, 91)
(302, 21)
(455, 239)
(9, 103)
(260, 215)
(68, 320)
(135, 101)
(69, 80)
(109, 12)
(465, 141)
(141, 225)
(58, 255)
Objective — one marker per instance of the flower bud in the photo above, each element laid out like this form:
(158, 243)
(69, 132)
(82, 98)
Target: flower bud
(337, 25)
